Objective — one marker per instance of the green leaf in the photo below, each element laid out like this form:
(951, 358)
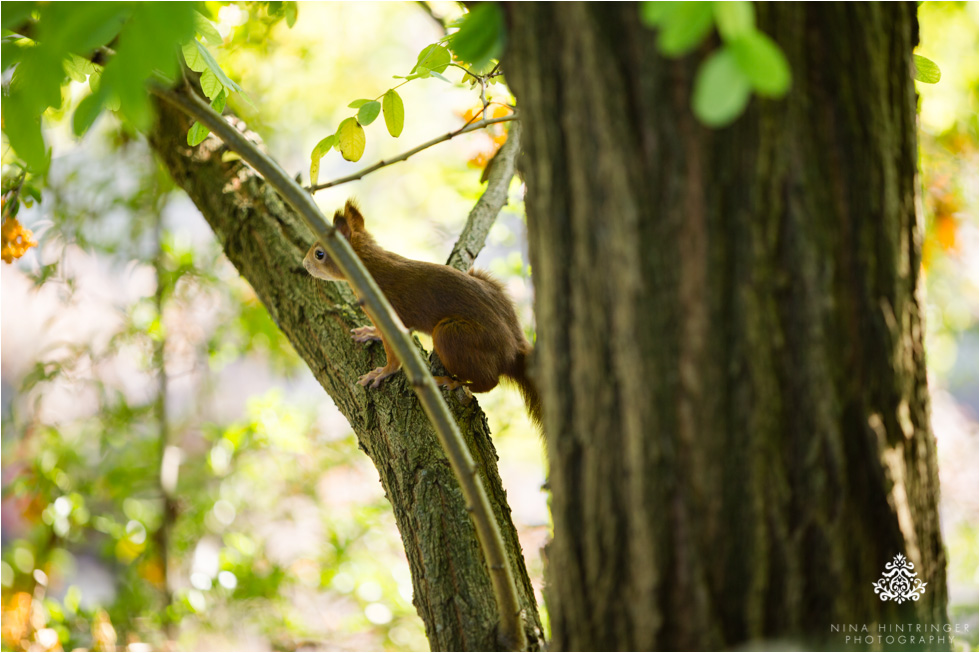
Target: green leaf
(351, 139)
(291, 10)
(721, 89)
(15, 13)
(357, 104)
(734, 19)
(321, 148)
(925, 70)
(86, 113)
(763, 63)
(207, 30)
(37, 81)
(685, 28)
(213, 66)
(367, 113)
(196, 134)
(325, 144)
(82, 27)
(95, 83)
(433, 57)
(23, 129)
(654, 14)
(218, 104)
(481, 36)
(144, 48)
(210, 84)
(394, 110)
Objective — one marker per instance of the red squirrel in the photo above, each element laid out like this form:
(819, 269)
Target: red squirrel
(471, 319)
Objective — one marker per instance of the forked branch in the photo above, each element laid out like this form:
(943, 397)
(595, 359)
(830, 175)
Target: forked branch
(376, 305)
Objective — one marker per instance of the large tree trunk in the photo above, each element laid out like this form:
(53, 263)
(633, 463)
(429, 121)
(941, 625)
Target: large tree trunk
(729, 332)
(266, 241)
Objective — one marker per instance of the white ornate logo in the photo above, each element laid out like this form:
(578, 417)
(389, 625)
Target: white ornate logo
(899, 582)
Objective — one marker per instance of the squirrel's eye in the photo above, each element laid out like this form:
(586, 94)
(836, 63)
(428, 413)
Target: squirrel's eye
(318, 254)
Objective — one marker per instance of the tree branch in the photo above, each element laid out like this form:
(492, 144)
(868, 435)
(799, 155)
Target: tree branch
(401, 157)
(511, 628)
(484, 213)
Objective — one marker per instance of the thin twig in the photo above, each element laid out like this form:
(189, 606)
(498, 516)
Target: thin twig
(166, 478)
(383, 316)
(401, 157)
(428, 10)
(484, 213)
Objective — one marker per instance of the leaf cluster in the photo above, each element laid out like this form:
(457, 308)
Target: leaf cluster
(116, 49)
(473, 47)
(46, 45)
(748, 60)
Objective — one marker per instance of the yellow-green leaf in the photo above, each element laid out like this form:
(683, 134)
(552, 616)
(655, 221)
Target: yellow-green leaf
(314, 170)
(350, 134)
(206, 29)
(193, 58)
(434, 57)
(394, 110)
(292, 11)
(321, 148)
(78, 69)
(210, 84)
(925, 70)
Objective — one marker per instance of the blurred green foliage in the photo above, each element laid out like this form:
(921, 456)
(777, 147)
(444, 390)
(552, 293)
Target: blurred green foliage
(951, 265)
(172, 476)
(252, 538)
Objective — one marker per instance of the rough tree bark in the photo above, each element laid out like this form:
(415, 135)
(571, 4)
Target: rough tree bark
(729, 328)
(266, 242)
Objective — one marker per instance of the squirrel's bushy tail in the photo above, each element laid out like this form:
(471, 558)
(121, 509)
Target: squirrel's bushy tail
(532, 400)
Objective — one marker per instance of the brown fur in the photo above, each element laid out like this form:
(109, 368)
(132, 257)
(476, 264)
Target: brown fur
(472, 321)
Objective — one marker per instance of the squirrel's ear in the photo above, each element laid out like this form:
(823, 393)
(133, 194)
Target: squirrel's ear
(353, 215)
(340, 224)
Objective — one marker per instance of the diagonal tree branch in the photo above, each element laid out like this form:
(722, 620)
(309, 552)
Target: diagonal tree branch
(481, 218)
(266, 241)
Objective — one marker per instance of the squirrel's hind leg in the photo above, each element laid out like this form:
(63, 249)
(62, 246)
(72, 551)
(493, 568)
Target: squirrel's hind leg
(468, 352)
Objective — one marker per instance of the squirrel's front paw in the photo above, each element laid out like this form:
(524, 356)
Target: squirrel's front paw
(374, 378)
(365, 334)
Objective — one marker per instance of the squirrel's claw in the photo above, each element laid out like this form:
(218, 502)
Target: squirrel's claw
(365, 334)
(374, 378)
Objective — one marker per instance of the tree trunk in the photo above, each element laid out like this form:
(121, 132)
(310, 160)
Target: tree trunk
(266, 242)
(730, 344)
